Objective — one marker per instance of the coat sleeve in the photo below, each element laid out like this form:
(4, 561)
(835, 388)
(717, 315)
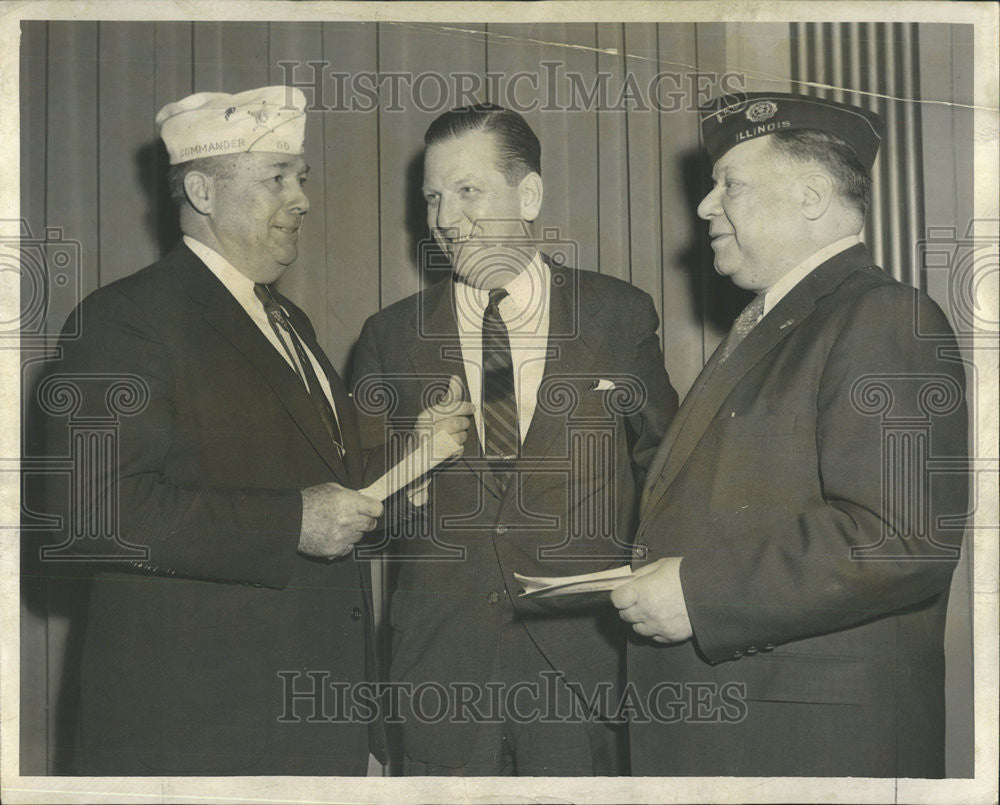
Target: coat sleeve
(235, 535)
(877, 539)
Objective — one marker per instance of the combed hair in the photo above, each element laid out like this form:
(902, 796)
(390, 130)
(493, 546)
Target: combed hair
(518, 150)
(851, 180)
(218, 166)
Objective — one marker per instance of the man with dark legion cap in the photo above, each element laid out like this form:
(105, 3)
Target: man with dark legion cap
(789, 614)
(234, 472)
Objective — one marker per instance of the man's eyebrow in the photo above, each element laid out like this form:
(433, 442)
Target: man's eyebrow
(469, 177)
(282, 164)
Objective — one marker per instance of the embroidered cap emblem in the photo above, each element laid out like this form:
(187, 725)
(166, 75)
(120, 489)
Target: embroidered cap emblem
(761, 111)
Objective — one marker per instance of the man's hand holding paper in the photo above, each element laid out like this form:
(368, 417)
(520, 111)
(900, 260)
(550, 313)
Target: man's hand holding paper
(653, 602)
(334, 519)
(439, 436)
(451, 415)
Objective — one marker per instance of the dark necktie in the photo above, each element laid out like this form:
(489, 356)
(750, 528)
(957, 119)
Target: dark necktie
(502, 435)
(280, 323)
(744, 323)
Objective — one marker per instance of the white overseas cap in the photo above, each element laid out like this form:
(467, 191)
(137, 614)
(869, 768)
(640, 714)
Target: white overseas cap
(209, 124)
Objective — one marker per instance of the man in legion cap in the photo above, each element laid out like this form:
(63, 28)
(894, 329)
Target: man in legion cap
(789, 614)
(234, 599)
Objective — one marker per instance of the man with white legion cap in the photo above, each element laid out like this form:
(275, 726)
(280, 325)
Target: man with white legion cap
(235, 602)
(789, 614)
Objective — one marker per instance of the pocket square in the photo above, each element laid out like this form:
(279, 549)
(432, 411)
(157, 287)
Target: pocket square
(602, 385)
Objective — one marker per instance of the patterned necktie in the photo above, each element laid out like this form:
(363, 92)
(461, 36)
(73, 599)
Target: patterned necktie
(744, 323)
(503, 440)
(280, 324)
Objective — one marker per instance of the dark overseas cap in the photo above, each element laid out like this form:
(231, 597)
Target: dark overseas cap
(732, 119)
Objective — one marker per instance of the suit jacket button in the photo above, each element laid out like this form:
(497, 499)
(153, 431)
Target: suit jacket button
(737, 654)
(751, 650)
(501, 530)
(492, 597)
(640, 551)
(767, 647)
(356, 613)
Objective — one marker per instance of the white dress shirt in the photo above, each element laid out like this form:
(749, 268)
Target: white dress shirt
(525, 312)
(242, 289)
(777, 292)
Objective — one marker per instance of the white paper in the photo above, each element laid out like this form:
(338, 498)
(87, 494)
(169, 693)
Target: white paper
(420, 461)
(546, 587)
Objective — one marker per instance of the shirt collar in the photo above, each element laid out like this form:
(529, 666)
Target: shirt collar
(238, 284)
(527, 295)
(780, 289)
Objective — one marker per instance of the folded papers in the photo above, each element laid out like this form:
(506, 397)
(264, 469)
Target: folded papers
(547, 587)
(420, 461)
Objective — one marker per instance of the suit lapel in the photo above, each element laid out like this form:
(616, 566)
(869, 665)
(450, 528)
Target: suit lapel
(571, 352)
(344, 404)
(718, 379)
(663, 452)
(223, 313)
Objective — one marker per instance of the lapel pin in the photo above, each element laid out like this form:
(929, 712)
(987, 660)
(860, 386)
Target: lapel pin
(786, 324)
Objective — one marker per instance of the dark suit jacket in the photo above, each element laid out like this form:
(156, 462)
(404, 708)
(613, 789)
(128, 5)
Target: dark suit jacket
(571, 509)
(183, 651)
(817, 554)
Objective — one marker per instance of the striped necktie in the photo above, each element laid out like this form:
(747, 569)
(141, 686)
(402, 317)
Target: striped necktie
(502, 434)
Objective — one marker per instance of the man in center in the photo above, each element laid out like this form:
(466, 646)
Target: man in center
(567, 375)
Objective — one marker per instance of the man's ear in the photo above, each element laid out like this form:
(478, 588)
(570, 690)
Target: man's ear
(530, 188)
(200, 190)
(817, 193)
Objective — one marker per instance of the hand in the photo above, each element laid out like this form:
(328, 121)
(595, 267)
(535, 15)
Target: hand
(450, 415)
(334, 518)
(653, 602)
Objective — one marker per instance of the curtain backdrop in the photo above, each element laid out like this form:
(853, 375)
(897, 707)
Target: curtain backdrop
(614, 106)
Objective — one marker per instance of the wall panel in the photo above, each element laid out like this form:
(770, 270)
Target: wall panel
(677, 288)
(410, 51)
(306, 281)
(125, 97)
(611, 132)
(72, 185)
(351, 216)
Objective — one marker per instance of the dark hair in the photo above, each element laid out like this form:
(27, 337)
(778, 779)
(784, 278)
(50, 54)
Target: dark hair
(850, 178)
(220, 167)
(518, 150)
